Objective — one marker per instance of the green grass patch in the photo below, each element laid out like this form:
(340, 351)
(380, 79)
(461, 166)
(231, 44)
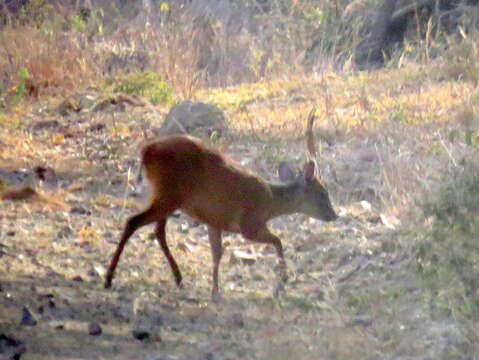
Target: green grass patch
(447, 254)
(147, 84)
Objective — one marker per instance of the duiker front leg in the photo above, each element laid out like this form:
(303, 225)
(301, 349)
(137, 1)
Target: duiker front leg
(259, 233)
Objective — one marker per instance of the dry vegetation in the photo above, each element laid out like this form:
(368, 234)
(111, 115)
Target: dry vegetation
(395, 277)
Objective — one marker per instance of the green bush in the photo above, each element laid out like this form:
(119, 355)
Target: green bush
(458, 61)
(147, 84)
(447, 257)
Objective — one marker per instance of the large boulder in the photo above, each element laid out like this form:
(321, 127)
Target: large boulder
(377, 28)
(394, 20)
(196, 118)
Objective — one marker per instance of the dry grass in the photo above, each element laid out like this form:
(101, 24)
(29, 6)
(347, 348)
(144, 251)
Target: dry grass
(54, 63)
(384, 138)
(59, 50)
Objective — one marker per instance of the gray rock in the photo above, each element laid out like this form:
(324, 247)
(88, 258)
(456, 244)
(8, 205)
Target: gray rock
(94, 329)
(196, 118)
(27, 318)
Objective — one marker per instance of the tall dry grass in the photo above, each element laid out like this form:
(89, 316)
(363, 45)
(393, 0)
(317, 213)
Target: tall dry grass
(55, 61)
(189, 47)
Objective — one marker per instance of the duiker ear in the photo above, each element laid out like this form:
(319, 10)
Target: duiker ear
(308, 171)
(286, 173)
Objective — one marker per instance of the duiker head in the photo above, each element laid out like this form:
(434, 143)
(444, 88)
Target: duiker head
(313, 197)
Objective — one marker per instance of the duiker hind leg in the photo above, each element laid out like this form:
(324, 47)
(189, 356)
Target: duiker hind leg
(161, 237)
(150, 215)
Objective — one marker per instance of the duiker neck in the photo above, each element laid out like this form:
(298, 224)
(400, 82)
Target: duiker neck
(285, 198)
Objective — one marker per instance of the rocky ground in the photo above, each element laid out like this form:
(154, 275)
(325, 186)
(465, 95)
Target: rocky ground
(352, 290)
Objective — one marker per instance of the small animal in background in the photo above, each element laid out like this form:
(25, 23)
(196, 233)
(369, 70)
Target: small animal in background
(188, 175)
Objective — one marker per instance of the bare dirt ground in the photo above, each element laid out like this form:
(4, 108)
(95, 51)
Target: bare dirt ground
(352, 292)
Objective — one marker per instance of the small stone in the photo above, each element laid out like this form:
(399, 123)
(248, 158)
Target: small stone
(79, 211)
(94, 329)
(64, 232)
(64, 300)
(78, 278)
(27, 318)
(209, 356)
(141, 335)
(51, 304)
(237, 320)
(366, 205)
(46, 296)
(97, 127)
(278, 289)
(244, 257)
(92, 273)
(184, 228)
(43, 125)
(361, 322)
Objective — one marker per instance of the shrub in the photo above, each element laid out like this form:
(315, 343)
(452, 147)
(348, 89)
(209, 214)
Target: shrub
(459, 60)
(147, 84)
(37, 62)
(447, 256)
